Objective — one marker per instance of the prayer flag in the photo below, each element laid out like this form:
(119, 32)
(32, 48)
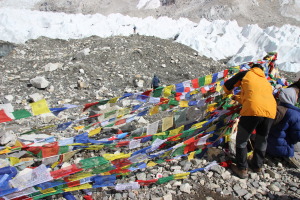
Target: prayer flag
(4, 117)
(19, 114)
(40, 107)
(167, 123)
(152, 128)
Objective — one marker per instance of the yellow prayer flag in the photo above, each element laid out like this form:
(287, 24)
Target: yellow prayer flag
(49, 190)
(151, 164)
(80, 187)
(183, 104)
(219, 87)
(95, 147)
(181, 175)
(7, 150)
(191, 155)
(194, 92)
(40, 107)
(154, 110)
(167, 91)
(113, 100)
(78, 128)
(176, 130)
(54, 164)
(167, 153)
(211, 107)
(14, 160)
(161, 133)
(198, 125)
(94, 131)
(67, 156)
(112, 157)
(167, 123)
(208, 79)
(105, 173)
(79, 176)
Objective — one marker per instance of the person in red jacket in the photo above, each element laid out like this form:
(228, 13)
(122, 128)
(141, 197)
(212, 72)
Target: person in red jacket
(258, 112)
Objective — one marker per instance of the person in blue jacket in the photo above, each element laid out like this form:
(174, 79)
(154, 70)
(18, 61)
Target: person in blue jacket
(155, 82)
(285, 131)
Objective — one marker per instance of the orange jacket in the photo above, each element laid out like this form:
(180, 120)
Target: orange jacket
(256, 94)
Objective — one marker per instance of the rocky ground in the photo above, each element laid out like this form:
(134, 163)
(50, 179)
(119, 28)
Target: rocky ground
(90, 69)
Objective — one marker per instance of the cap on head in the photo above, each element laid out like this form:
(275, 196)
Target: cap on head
(258, 65)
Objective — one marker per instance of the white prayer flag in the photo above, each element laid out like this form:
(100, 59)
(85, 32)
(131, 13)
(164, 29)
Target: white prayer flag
(134, 144)
(152, 128)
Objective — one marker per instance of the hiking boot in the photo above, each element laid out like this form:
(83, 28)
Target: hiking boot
(254, 169)
(241, 173)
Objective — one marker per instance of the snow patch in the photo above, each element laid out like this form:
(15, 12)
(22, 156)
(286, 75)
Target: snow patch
(148, 4)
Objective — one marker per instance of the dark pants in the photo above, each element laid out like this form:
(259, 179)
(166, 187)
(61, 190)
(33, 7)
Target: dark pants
(245, 127)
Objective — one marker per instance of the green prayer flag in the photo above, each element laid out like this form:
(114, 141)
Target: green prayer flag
(201, 81)
(178, 151)
(63, 149)
(165, 179)
(92, 162)
(157, 92)
(164, 107)
(102, 102)
(109, 113)
(19, 114)
(173, 102)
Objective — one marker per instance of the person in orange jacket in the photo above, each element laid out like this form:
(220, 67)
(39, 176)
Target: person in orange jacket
(258, 112)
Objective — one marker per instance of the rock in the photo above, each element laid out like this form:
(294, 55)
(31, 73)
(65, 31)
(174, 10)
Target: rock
(7, 138)
(210, 174)
(81, 84)
(202, 182)
(81, 71)
(36, 97)
(226, 175)
(186, 188)
(168, 196)
(9, 98)
(39, 82)
(131, 195)
(273, 174)
(118, 196)
(52, 66)
(241, 192)
(248, 196)
(209, 198)
(273, 188)
(141, 176)
(163, 65)
(218, 169)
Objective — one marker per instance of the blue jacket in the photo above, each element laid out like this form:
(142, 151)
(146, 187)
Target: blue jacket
(284, 134)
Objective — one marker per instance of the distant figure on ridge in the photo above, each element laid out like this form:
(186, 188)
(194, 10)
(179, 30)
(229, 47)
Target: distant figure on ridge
(258, 112)
(155, 82)
(134, 29)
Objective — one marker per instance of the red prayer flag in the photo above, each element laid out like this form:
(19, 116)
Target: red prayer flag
(121, 121)
(225, 73)
(147, 93)
(195, 83)
(4, 117)
(65, 171)
(123, 143)
(146, 182)
(88, 105)
(51, 149)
